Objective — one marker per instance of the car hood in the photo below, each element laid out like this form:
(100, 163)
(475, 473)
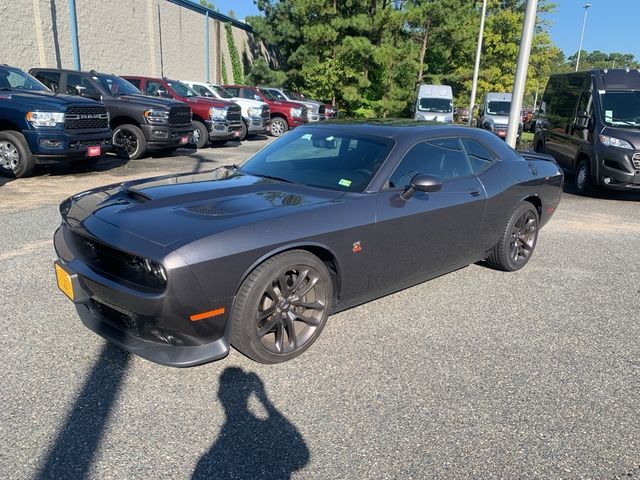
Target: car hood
(173, 210)
(149, 101)
(45, 99)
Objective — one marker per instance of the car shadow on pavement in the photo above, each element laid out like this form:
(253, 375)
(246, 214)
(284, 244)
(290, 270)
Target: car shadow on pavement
(257, 441)
(5, 180)
(71, 455)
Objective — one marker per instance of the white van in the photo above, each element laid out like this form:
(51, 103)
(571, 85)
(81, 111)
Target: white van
(434, 103)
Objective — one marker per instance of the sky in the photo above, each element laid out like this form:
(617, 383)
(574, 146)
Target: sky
(612, 25)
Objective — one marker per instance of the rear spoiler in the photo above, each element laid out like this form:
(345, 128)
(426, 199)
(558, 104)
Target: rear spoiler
(537, 156)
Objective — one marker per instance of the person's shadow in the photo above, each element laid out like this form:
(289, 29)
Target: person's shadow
(251, 446)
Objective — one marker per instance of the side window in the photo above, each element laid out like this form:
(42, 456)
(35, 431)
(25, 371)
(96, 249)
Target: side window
(234, 91)
(584, 104)
(479, 157)
(443, 158)
(248, 94)
(156, 89)
(50, 79)
(134, 81)
(78, 84)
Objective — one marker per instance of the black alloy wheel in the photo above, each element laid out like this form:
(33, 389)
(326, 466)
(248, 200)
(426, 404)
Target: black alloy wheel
(129, 142)
(518, 241)
(282, 307)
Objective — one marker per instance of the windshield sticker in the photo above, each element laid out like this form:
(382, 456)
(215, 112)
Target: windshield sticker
(601, 92)
(608, 114)
(306, 136)
(344, 182)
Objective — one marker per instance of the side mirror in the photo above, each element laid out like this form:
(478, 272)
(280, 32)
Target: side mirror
(163, 93)
(91, 95)
(257, 97)
(422, 183)
(582, 121)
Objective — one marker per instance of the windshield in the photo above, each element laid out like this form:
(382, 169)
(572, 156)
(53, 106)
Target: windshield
(498, 108)
(14, 79)
(222, 91)
(439, 105)
(321, 157)
(271, 94)
(182, 90)
(116, 85)
(621, 109)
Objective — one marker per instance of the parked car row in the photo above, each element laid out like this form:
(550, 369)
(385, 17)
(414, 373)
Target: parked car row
(55, 115)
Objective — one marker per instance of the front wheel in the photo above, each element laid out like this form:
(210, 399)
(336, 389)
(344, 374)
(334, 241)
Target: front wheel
(281, 307)
(518, 240)
(583, 184)
(279, 126)
(15, 157)
(129, 142)
(200, 135)
(243, 132)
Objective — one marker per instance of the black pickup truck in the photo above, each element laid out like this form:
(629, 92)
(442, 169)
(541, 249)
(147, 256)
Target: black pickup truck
(38, 126)
(139, 122)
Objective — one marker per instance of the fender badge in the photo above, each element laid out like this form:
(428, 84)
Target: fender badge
(357, 247)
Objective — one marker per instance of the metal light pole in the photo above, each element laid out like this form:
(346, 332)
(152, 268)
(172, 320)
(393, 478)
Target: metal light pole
(521, 71)
(584, 23)
(476, 68)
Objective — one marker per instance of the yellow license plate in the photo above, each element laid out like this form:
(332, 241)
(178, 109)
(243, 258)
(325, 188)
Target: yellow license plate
(64, 281)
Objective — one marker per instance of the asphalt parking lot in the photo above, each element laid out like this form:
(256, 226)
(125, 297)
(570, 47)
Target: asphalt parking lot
(477, 374)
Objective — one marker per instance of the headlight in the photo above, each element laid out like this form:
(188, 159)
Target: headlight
(45, 119)
(614, 142)
(296, 112)
(255, 111)
(153, 268)
(157, 116)
(216, 113)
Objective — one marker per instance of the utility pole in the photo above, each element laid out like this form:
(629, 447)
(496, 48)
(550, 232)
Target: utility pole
(521, 71)
(476, 68)
(584, 23)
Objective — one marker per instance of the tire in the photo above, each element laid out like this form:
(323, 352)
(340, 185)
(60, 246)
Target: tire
(583, 182)
(129, 142)
(243, 132)
(200, 135)
(518, 241)
(279, 126)
(16, 160)
(270, 332)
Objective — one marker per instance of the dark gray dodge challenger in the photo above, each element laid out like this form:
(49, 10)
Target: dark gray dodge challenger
(178, 268)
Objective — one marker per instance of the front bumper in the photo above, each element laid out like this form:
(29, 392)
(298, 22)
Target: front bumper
(257, 124)
(223, 130)
(297, 121)
(165, 136)
(154, 324)
(68, 146)
(618, 169)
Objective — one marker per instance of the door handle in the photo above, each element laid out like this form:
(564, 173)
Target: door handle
(474, 192)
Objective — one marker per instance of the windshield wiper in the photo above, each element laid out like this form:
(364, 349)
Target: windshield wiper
(272, 177)
(625, 122)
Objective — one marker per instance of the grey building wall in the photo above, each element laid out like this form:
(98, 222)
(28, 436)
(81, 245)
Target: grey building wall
(144, 37)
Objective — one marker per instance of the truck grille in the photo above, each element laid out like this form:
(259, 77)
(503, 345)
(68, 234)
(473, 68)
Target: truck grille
(266, 113)
(79, 118)
(234, 113)
(636, 161)
(180, 114)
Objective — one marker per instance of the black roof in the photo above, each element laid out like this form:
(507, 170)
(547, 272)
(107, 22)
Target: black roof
(617, 78)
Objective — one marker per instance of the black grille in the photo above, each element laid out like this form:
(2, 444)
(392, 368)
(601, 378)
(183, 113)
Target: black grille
(79, 118)
(115, 262)
(180, 114)
(636, 160)
(234, 113)
(266, 113)
(115, 317)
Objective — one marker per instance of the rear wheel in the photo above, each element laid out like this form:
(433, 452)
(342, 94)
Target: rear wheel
(129, 142)
(281, 307)
(200, 135)
(584, 185)
(15, 157)
(279, 126)
(518, 240)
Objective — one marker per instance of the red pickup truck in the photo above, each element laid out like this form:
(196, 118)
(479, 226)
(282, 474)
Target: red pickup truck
(214, 120)
(284, 115)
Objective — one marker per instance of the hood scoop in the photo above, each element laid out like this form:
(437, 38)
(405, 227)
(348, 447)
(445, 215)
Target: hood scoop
(137, 195)
(247, 204)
